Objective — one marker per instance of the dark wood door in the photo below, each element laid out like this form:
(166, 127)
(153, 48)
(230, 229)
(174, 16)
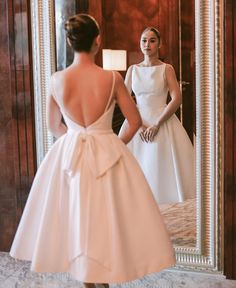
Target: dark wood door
(17, 157)
(230, 140)
(187, 66)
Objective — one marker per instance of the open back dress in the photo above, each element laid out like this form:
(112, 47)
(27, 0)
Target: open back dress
(90, 211)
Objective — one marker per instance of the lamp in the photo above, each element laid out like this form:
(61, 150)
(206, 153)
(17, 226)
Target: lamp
(114, 59)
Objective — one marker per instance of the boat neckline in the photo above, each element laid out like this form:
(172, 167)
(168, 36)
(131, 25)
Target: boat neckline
(149, 66)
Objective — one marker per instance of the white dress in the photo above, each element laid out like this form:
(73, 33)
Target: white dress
(90, 211)
(168, 161)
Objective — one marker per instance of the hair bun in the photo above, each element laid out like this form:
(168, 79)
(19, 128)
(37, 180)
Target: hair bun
(81, 30)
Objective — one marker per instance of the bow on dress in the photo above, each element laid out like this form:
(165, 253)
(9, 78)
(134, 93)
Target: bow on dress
(89, 154)
(90, 148)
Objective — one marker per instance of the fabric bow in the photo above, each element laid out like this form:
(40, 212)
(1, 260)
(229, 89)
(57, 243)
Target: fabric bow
(90, 148)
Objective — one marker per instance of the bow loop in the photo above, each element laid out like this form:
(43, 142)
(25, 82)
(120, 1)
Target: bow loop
(92, 149)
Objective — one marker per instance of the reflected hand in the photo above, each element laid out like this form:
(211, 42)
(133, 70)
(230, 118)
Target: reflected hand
(141, 133)
(150, 133)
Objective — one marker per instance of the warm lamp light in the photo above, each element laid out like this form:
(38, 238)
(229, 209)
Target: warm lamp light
(114, 59)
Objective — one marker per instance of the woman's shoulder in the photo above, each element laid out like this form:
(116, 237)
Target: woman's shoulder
(57, 76)
(130, 68)
(169, 66)
(118, 78)
(169, 69)
(140, 64)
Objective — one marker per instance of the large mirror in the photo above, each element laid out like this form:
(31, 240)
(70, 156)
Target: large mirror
(177, 48)
(194, 49)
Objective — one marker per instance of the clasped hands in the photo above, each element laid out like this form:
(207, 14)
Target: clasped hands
(147, 134)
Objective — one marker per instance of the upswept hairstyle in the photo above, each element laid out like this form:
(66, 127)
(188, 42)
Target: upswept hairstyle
(81, 30)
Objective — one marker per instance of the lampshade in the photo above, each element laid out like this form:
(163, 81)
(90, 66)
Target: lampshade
(114, 59)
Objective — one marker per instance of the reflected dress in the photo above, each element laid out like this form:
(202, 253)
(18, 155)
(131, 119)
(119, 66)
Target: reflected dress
(90, 211)
(168, 161)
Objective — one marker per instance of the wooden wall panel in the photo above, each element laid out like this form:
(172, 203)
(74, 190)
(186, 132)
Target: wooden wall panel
(17, 147)
(230, 140)
(124, 21)
(187, 50)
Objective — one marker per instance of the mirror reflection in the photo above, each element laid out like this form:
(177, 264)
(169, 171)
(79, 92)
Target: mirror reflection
(168, 159)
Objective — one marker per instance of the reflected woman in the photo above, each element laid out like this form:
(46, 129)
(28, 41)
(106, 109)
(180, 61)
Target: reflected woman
(162, 146)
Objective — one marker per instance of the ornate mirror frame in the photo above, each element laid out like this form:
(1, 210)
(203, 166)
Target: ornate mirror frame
(208, 253)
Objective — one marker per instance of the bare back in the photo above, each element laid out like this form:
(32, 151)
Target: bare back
(83, 92)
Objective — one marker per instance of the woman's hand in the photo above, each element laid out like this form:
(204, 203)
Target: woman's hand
(148, 133)
(142, 132)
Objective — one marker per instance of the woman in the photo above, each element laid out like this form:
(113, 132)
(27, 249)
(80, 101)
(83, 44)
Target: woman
(86, 213)
(162, 146)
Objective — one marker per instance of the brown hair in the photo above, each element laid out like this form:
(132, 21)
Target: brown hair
(81, 30)
(155, 31)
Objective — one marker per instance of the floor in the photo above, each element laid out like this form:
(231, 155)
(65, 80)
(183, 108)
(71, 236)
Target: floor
(180, 219)
(16, 274)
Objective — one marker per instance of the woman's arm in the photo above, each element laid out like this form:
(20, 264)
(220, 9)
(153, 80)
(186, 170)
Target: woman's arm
(128, 79)
(170, 109)
(54, 116)
(175, 94)
(128, 84)
(128, 109)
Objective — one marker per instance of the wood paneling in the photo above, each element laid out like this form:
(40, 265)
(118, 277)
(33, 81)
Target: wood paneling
(230, 140)
(17, 159)
(123, 22)
(187, 51)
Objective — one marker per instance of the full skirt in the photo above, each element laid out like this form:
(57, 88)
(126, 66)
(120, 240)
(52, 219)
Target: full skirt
(105, 229)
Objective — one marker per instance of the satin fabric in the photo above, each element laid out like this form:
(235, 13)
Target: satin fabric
(90, 211)
(169, 161)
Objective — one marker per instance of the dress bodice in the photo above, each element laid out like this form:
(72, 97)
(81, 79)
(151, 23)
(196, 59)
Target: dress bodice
(150, 86)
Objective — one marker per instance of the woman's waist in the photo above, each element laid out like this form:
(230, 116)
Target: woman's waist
(151, 115)
(89, 131)
(151, 109)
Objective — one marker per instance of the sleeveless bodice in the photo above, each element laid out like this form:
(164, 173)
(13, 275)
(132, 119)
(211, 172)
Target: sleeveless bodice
(150, 87)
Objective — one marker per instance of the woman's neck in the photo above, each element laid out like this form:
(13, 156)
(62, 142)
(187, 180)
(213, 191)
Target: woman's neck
(83, 58)
(151, 60)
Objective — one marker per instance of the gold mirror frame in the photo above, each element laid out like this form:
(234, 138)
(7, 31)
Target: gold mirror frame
(208, 253)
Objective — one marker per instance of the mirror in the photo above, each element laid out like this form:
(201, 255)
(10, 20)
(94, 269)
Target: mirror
(199, 244)
(176, 49)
